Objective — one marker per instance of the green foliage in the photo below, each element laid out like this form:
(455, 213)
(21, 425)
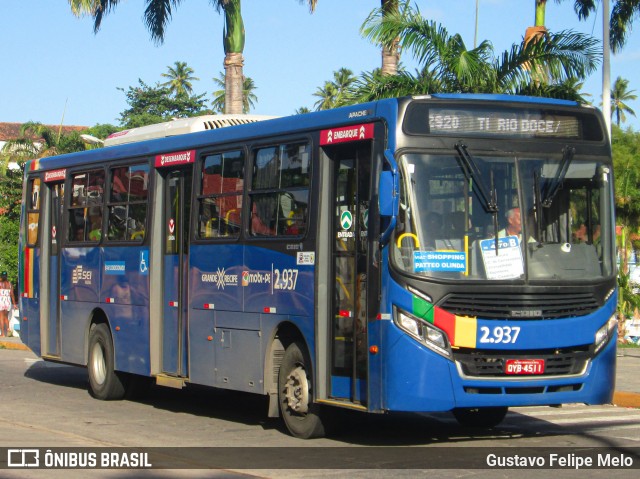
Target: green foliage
(447, 65)
(10, 199)
(620, 95)
(335, 93)
(627, 300)
(11, 195)
(180, 79)
(102, 130)
(148, 105)
(626, 164)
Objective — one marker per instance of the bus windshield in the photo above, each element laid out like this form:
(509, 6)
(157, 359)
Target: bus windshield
(473, 216)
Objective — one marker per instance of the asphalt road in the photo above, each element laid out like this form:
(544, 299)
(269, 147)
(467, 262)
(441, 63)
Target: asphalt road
(47, 405)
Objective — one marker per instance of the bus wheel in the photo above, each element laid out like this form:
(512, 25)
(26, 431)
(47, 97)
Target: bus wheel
(300, 414)
(484, 417)
(104, 382)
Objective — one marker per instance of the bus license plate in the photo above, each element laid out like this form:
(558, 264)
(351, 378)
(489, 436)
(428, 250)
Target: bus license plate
(524, 366)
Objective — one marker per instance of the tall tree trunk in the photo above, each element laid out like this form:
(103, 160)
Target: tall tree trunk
(234, 79)
(233, 62)
(390, 54)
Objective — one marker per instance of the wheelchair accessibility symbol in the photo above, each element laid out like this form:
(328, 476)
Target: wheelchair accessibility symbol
(144, 262)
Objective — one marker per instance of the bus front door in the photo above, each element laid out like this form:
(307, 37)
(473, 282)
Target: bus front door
(351, 188)
(54, 235)
(177, 203)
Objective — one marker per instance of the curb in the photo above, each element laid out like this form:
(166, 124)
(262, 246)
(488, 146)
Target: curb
(625, 399)
(4, 344)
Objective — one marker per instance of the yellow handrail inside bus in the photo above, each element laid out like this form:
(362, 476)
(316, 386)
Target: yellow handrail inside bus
(411, 235)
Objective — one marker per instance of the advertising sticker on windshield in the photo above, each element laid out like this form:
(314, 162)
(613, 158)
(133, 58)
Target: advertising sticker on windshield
(439, 261)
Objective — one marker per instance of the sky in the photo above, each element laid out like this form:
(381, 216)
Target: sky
(55, 69)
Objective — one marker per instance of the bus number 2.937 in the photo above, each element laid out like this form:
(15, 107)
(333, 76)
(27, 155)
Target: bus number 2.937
(499, 334)
(285, 279)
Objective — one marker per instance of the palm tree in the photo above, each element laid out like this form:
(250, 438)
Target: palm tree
(156, 17)
(327, 95)
(622, 14)
(249, 98)
(449, 66)
(539, 30)
(179, 79)
(335, 93)
(620, 94)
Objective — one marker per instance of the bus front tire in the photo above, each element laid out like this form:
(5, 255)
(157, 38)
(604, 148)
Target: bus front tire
(295, 394)
(481, 417)
(104, 382)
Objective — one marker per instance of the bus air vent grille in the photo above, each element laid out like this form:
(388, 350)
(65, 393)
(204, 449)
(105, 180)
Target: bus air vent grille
(521, 306)
(489, 363)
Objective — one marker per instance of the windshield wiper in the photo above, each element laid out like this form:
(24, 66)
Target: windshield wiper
(488, 196)
(552, 190)
(473, 173)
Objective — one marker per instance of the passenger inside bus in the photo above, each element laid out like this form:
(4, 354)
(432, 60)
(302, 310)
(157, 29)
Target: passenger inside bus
(260, 216)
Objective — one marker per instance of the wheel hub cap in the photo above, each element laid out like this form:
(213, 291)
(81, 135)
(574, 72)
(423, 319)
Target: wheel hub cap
(297, 391)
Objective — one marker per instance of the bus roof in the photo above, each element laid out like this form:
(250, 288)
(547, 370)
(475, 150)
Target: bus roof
(203, 136)
(180, 126)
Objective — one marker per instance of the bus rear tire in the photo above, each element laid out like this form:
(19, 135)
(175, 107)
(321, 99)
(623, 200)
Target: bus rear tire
(480, 417)
(104, 382)
(295, 394)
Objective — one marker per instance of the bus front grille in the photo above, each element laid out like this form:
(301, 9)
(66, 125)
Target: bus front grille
(520, 306)
(489, 363)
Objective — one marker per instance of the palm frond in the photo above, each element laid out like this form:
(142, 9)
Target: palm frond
(157, 16)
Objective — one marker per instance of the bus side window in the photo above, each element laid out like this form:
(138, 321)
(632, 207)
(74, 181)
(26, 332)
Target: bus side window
(33, 211)
(86, 211)
(280, 190)
(127, 204)
(220, 195)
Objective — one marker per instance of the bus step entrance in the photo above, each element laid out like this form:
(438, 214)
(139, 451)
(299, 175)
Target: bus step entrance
(170, 381)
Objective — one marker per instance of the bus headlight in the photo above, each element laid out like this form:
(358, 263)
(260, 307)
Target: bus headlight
(605, 333)
(432, 337)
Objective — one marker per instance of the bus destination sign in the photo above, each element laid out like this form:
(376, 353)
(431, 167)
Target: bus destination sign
(503, 123)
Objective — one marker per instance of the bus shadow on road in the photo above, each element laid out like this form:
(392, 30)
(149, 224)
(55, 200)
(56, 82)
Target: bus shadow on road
(58, 374)
(350, 427)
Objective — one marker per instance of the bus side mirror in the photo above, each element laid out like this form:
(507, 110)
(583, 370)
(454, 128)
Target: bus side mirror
(387, 199)
(387, 203)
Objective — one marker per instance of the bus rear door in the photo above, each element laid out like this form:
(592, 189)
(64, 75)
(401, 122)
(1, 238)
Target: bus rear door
(51, 241)
(177, 205)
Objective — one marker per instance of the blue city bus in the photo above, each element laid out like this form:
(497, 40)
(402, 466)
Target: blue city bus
(433, 253)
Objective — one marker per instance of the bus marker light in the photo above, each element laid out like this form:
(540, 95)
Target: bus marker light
(209, 338)
(117, 328)
(110, 300)
(64, 297)
(343, 313)
(373, 349)
(173, 304)
(269, 310)
(209, 306)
